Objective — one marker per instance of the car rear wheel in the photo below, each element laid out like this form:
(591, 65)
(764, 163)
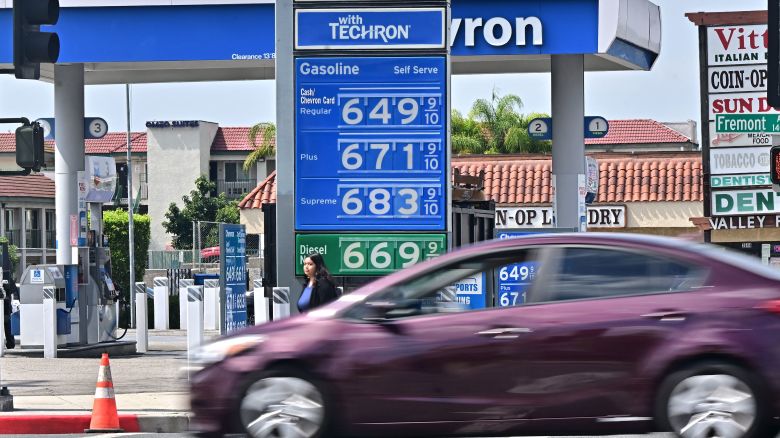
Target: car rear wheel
(714, 400)
(285, 405)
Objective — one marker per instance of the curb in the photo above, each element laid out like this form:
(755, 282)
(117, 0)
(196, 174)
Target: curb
(77, 424)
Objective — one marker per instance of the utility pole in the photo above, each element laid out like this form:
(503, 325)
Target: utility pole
(131, 234)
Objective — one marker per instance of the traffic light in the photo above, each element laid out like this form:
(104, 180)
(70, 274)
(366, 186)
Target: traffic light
(31, 46)
(29, 146)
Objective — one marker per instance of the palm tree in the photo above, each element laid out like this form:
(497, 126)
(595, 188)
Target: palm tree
(466, 137)
(266, 133)
(500, 118)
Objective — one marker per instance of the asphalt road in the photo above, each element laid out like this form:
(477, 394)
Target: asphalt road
(158, 371)
(181, 435)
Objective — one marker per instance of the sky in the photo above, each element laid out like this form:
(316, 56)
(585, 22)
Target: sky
(667, 93)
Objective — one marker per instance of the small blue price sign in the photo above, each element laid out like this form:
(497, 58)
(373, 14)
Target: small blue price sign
(232, 275)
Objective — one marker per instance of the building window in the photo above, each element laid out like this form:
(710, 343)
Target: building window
(235, 172)
(51, 227)
(12, 231)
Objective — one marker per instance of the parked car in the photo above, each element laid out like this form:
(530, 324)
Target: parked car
(615, 334)
(211, 252)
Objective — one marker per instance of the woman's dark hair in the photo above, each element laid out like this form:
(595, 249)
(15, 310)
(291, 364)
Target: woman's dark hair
(320, 270)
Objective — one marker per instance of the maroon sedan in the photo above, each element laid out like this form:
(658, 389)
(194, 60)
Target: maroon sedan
(591, 333)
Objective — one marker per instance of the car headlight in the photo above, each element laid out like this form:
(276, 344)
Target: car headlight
(220, 350)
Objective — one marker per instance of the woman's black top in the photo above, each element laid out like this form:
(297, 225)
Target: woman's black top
(323, 292)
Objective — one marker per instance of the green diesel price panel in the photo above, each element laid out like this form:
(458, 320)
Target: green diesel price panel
(368, 254)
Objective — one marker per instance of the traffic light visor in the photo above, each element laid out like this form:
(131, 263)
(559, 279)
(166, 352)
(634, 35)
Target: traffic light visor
(774, 167)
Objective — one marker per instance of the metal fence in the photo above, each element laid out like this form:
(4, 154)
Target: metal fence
(205, 244)
(169, 259)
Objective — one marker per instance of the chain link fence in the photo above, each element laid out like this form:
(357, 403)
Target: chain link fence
(205, 244)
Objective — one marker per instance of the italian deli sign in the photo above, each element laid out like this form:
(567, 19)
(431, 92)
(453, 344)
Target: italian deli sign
(736, 45)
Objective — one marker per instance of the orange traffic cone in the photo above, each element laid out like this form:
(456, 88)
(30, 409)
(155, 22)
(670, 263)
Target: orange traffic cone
(104, 415)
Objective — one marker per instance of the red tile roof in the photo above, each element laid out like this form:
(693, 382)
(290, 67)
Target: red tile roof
(264, 193)
(233, 140)
(116, 143)
(29, 186)
(8, 143)
(526, 179)
(112, 143)
(674, 176)
(638, 131)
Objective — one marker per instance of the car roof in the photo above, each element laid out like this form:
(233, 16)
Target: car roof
(683, 247)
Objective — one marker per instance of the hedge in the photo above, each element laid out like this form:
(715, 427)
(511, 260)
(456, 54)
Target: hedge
(115, 227)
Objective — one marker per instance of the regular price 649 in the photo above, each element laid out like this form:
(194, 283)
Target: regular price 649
(403, 109)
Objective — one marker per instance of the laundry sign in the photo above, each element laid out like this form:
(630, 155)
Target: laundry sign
(744, 202)
(602, 216)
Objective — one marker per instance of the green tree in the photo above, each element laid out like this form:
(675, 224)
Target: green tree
(13, 253)
(500, 126)
(466, 137)
(115, 227)
(198, 206)
(499, 119)
(262, 136)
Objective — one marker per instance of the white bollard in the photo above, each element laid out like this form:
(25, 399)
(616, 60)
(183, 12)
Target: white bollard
(49, 323)
(210, 308)
(281, 299)
(184, 283)
(161, 303)
(141, 318)
(260, 302)
(194, 298)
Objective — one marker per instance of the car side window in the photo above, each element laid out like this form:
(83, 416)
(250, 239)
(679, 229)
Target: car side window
(458, 287)
(590, 272)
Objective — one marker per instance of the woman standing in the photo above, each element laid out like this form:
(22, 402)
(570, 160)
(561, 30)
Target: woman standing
(319, 288)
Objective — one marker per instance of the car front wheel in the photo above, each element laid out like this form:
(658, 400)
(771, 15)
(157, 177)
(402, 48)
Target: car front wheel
(283, 404)
(714, 400)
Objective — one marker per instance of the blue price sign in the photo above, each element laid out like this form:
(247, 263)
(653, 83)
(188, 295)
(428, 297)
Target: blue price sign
(232, 275)
(514, 281)
(371, 143)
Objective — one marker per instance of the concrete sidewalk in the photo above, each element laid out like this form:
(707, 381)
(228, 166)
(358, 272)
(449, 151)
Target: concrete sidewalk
(56, 395)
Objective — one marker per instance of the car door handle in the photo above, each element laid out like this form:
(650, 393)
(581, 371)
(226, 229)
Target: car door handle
(504, 332)
(667, 316)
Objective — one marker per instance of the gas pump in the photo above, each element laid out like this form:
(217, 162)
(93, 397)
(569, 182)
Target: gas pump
(98, 318)
(31, 311)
